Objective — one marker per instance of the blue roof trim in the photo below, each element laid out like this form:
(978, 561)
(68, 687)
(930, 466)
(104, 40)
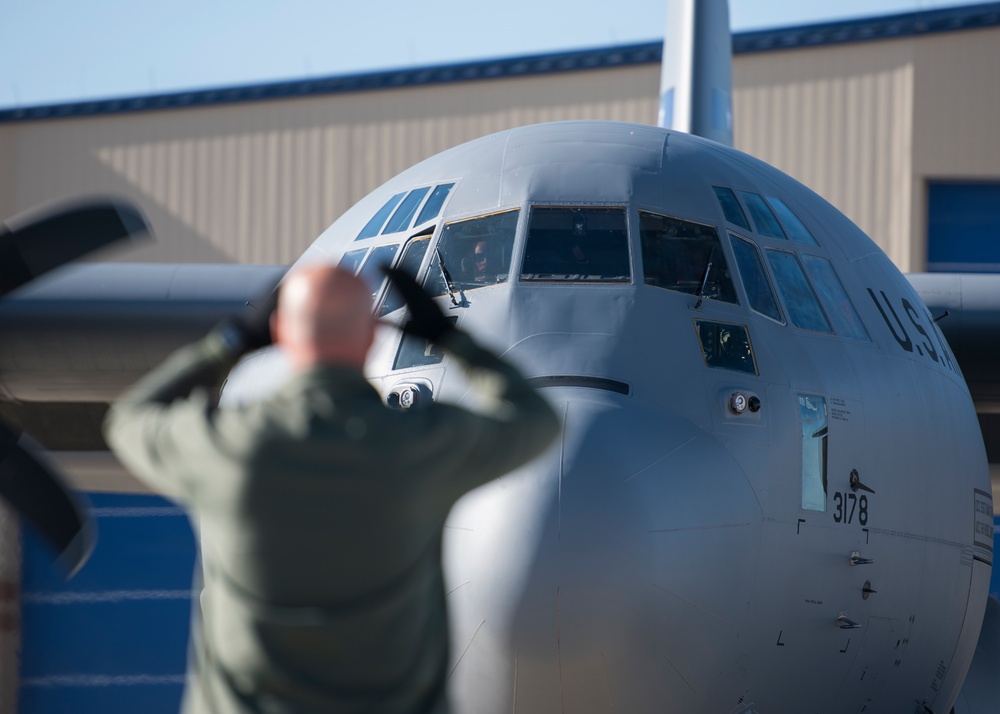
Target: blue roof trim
(884, 27)
(857, 30)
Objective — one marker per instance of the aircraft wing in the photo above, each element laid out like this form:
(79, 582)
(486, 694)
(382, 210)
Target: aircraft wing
(74, 340)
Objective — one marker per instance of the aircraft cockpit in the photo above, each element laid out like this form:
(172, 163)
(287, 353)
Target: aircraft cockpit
(784, 272)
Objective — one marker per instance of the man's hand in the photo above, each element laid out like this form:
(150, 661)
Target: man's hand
(426, 318)
(251, 329)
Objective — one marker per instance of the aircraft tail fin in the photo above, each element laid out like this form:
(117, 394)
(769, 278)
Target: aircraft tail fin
(696, 87)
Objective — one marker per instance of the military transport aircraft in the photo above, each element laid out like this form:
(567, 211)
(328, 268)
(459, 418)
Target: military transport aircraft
(771, 493)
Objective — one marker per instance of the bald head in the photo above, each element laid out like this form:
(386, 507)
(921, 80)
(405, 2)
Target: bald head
(324, 316)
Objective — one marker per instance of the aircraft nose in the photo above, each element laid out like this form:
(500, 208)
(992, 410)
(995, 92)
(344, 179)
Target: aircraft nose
(624, 556)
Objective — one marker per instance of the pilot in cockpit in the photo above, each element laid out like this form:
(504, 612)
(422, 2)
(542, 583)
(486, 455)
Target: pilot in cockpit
(477, 267)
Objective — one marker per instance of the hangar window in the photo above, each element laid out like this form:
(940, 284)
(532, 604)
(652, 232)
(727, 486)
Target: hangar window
(831, 291)
(731, 207)
(726, 346)
(400, 220)
(815, 428)
(795, 228)
(373, 226)
(432, 209)
(963, 227)
(755, 280)
(800, 299)
(473, 253)
(577, 245)
(684, 256)
(371, 271)
(352, 260)
(763, 217)
(413, 256)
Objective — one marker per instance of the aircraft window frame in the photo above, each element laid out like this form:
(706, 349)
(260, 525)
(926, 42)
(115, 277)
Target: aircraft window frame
(375, 223)
(414, 351)
(347, 260)
(500, 243)
(799, 297)
(409, 262)
(765, 220)
(555, 253)
(726, 345)
(402, 217)
(815, 419)
(795, 228)
(837, 303)
(731, 207)
(762, 278)
(370, 270)
(435, 203)
(721, 276)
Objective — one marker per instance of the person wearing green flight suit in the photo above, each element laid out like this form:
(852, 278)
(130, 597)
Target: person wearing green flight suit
(319, 509)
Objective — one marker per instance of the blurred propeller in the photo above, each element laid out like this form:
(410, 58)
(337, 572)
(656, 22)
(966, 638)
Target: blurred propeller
(39, 496)
(32, 244)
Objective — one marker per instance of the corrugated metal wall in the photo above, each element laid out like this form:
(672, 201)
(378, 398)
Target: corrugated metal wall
(256, 183)
(839, 119)
(864, 124)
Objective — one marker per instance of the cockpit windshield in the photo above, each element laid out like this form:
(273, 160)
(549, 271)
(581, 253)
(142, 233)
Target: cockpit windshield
(684, 256)
(473, 253)
(577, 245)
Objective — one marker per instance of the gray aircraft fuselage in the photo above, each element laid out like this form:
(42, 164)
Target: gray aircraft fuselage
(771, 492)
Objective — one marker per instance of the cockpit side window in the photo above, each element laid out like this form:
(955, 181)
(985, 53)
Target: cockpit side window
(577, 245)
(794, 226)
(685, 257)
(373, 226)
(755, 281)
(371, 271)
(800, 299)
(731, 207)
(473, 253)
(831, 291)
(435, 203)
(400, 220)
(764, 220)
(413, 256)
(352, 260)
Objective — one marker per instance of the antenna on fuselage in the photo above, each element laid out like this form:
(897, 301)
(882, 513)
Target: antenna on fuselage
(696, 85)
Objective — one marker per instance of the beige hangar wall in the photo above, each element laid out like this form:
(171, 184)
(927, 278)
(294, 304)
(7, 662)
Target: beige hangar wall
(865, 124)
(257, 182)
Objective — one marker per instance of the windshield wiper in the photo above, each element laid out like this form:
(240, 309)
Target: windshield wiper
(704, 282)
(447, 278)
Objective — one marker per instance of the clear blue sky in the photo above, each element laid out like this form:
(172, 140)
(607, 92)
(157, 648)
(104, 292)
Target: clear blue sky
(69, 50)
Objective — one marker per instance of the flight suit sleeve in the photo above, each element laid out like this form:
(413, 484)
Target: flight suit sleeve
(516, 425)
(149, 427)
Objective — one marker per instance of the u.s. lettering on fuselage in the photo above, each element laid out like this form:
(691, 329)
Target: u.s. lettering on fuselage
(929, 342)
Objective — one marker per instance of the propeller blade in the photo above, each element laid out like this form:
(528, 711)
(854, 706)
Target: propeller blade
(38, 495)
(34, 243)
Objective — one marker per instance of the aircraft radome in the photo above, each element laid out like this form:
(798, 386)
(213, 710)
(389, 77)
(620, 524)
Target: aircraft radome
(771, 493)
